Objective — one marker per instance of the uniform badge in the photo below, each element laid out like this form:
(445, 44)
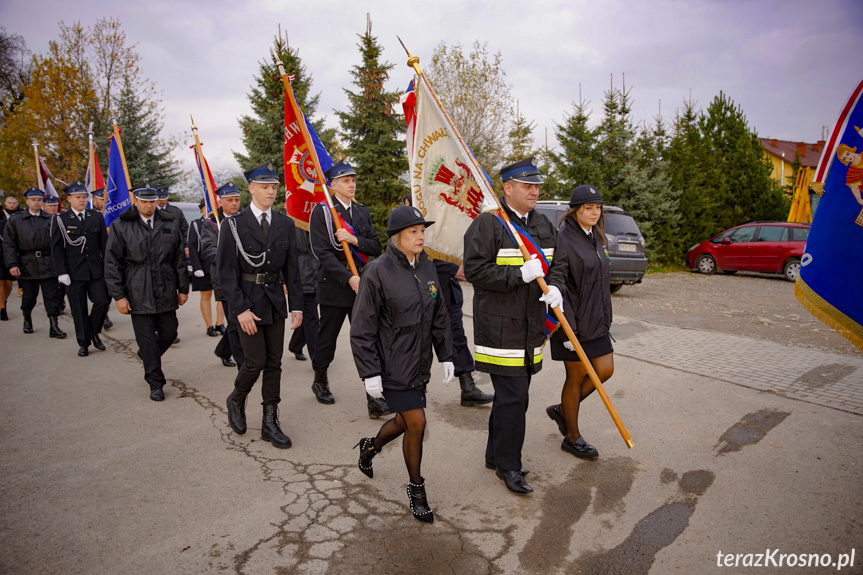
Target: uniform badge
(432, 290)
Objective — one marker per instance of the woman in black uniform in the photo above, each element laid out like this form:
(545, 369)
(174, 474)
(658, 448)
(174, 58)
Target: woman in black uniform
(580, 270)
(398, 316)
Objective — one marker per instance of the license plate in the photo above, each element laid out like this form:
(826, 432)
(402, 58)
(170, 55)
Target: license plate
(626, 247)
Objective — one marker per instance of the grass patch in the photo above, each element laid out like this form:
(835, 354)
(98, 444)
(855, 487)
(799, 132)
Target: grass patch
(665, 268)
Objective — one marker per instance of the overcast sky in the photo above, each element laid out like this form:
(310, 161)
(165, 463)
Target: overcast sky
(790, 64)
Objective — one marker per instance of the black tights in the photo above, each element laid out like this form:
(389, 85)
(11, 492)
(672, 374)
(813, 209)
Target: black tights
(578, 386)
(413, 424)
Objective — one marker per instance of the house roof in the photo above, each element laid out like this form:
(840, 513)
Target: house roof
(809, 153)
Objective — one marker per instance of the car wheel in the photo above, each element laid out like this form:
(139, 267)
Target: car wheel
(729, 272)
(616, 287)
(706, 264)
(791, 270)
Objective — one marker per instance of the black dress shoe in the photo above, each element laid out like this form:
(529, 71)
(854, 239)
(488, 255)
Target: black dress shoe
(97, 342)
(229, 362)
(489, 464)
(83, 351)
(176, 341)
(3, 315)
(554, 413)
(108, 323)
(580, 448)
(211, 331)
(28, 324)
(300, 356)
(157, 394)
(221, 329)
(514, 481)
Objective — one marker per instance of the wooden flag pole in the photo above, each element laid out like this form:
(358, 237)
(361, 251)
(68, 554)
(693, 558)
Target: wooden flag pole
(91, 166)
(413, 62)
(289, 93)
(205, 169)
(39, 183)
(122, 160)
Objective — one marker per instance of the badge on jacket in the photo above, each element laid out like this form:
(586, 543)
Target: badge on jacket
(432, 289)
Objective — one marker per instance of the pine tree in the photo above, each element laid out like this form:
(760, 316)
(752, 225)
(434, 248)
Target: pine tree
(148, 157)
(576, 163)
(520, 138)
(263, 133)
(373, 133)
(614, 141)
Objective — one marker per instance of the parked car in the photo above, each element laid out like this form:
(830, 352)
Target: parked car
(770, 247)
(627, 261)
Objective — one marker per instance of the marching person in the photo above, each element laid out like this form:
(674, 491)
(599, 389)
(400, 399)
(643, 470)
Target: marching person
(78, 242)
(51, 205)
(162, 204)
(99, 206)
(5, 277)
(201, 279)
(27, 253)
(337, 286)
(509, 313)
(145, 270)
(581, 270)
(309, 268)
(399, 316)
(257, 254)
(229, 345)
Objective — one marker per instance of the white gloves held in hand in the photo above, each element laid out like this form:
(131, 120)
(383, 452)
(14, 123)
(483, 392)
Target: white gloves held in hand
(531, 270)
(64, 279)
(553, 297)
(568, 345)
(375, 387)
(448, 371)
(199, 273)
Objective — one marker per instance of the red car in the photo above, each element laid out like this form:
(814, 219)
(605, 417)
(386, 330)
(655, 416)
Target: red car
(771, 247)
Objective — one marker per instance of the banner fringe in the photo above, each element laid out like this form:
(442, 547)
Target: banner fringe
(829, 315)
(434, 254)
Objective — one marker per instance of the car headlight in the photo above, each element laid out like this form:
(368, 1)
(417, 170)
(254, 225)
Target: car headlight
(692, 248)
(609, 238)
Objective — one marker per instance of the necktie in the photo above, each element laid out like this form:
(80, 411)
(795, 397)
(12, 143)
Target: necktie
(265, 225)
(81, 217)
(150, 223)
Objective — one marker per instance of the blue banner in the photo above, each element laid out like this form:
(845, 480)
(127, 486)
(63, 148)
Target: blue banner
(117, 197)
(831, 272)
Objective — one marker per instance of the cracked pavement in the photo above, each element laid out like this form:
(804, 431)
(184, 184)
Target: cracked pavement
(96, 478)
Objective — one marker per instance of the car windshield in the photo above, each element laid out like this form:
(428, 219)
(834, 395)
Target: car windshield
(618, 224)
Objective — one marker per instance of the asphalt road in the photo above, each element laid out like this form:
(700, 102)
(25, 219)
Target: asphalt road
(96, 478)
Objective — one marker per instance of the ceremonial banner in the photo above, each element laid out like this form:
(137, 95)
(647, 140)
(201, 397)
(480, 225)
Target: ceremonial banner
(207, 176)
(94, 180)
(445, 184)
(303, 186)
(46, 179)
(831, 272)
(117, 196)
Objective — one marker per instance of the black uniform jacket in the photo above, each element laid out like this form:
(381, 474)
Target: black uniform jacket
(196, 254)
(208, 240)
(508, 318)
(84, 262)
(333, 277)
(27, 245)
(146, 266)
(580, 271)
(181, 218)
(397, 318)
(310, 267)
(280, 249)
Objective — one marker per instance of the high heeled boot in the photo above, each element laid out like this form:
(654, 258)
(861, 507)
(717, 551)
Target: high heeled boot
(367, 453)
(419, 504)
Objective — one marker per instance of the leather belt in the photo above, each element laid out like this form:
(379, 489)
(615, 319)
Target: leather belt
(40, 253)
(260, 279)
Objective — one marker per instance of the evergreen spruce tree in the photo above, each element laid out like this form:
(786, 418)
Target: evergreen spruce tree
(148, 157)
(373, 133)
(577, 162)
(263, 132)
(614, 141)
(520, 138)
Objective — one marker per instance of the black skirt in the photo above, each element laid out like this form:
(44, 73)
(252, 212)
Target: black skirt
(399, 400)
(593, 348)
(202, 284)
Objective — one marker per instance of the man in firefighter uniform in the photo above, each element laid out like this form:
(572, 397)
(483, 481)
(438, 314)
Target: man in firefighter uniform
(78, 240)
(257, 256)
(27, 253)
(509, 316)
(337, 286)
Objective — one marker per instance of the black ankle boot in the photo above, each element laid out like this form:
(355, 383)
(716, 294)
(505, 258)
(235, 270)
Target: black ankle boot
(3, 315)
(367, 453)
(419, 504)
(377, 407)
(28, 324)
(108, 323)
(237, 411)
(321, 388)
(470, 393)
(55, 330)
(270, 429)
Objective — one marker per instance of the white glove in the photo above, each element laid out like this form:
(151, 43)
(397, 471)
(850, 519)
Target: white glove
(448, 371)
(199, 273)
(553, 297)
(375, 387)
(568, 345)
(64, 279)
(531, 270)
